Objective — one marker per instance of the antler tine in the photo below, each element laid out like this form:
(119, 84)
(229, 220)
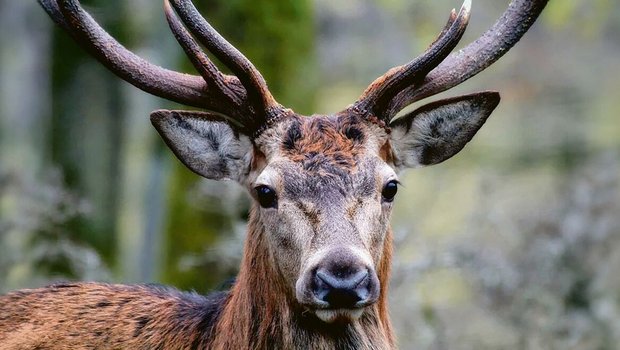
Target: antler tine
(199, 59)
(380, 93)
(226, 86)
(474, 58)
(182, 88)
(254, 83)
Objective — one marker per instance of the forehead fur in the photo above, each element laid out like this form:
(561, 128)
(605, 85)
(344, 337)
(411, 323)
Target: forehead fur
(320, 140)
(317, 143)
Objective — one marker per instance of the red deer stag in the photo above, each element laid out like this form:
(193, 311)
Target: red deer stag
(317, 258)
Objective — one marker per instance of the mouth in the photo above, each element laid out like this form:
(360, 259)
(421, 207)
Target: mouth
(339, 315)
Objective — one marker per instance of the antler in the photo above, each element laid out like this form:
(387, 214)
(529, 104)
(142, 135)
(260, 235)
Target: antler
(244, 99)
(434, 71)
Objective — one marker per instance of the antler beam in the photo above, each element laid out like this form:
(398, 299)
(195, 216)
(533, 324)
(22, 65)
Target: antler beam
(178, 87)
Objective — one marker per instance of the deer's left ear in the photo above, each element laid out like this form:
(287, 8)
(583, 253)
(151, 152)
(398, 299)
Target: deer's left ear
(439, 130)
(206, 143)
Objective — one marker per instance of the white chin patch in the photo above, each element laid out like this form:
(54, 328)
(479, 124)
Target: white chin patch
(346, 315)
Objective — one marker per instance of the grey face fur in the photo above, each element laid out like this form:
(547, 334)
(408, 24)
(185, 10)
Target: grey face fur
(328, 174)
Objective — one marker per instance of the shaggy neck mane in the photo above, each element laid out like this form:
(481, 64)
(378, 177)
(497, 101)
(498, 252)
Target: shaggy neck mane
(260, 312)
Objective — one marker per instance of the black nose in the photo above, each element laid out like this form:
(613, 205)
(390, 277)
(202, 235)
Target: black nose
(342, 288)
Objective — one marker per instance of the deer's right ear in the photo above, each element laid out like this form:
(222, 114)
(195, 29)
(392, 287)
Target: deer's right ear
(206, 143)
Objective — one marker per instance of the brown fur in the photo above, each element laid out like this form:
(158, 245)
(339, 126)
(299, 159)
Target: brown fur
(386, 153)
(94, 315)
(258, 313)
(330, 137)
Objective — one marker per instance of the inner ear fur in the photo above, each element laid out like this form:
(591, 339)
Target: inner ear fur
(206, 143)
(439, 130)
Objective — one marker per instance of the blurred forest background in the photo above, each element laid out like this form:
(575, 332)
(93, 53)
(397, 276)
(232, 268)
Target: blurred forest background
(512, 244)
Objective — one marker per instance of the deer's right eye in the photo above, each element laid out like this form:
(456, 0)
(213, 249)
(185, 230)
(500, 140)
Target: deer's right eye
(266, 196)
(389, 191)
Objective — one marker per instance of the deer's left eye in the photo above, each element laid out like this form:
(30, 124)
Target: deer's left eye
(389, 191)
(266, 196)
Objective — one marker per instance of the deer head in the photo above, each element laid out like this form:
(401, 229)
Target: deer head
(323, 186)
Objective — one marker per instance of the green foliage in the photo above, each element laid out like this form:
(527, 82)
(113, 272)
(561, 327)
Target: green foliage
(85, 125)
(586, 18)
(189, 232)
(35, 238)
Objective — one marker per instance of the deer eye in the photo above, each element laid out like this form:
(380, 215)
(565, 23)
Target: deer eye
(389, 191)
(266, 196)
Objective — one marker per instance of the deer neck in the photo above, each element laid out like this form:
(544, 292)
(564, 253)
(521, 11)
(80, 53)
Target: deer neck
(261, 313)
